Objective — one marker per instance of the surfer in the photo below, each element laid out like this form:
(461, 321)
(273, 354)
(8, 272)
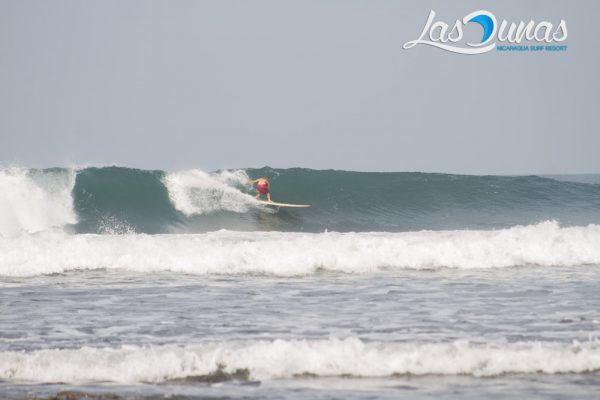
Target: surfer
(262, 185)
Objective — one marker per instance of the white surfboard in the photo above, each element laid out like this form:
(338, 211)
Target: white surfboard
(273, 203)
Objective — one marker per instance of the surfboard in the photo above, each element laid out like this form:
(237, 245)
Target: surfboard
(273, 203)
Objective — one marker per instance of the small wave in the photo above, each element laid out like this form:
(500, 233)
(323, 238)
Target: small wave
(289, 254)
(296, 358)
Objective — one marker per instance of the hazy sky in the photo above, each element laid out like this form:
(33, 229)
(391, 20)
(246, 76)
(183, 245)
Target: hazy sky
(318, 84)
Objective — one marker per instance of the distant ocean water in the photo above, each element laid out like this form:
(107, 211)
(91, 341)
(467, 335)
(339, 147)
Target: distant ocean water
(152, 283)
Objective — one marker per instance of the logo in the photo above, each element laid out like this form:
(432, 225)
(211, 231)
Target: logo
(504, 37)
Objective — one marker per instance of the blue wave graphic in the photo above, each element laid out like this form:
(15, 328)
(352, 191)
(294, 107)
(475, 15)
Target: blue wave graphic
(486, 23)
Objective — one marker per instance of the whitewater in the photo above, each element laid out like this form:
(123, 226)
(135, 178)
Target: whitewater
(146, 283)
(288, 254)
(285, 359)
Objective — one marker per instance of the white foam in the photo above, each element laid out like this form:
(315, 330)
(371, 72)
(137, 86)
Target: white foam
(33, 201)
(289, 254)
(195, 192)
(288, 359)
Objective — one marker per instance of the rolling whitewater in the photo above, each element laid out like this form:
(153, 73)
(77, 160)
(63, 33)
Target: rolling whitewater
(148, 283)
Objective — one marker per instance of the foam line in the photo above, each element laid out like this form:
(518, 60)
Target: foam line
(289, 254)
(288, 359)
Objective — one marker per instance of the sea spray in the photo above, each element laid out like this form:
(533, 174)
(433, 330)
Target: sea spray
(195, 192)
(35, 200)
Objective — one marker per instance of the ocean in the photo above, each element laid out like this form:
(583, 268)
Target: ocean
(120, 283)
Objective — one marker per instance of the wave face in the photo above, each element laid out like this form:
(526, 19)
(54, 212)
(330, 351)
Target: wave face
(292, 254)
(289, 359)
(123, 200)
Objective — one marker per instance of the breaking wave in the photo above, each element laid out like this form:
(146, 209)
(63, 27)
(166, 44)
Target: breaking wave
(289, 254)
(113, 200)
(35, 200)
(296, 358)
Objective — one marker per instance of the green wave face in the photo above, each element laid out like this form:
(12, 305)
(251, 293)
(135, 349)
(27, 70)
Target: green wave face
(114, 199)
(360, 201)
(122, 200)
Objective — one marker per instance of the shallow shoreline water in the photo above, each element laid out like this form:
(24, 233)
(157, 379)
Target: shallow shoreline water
(543, 307)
